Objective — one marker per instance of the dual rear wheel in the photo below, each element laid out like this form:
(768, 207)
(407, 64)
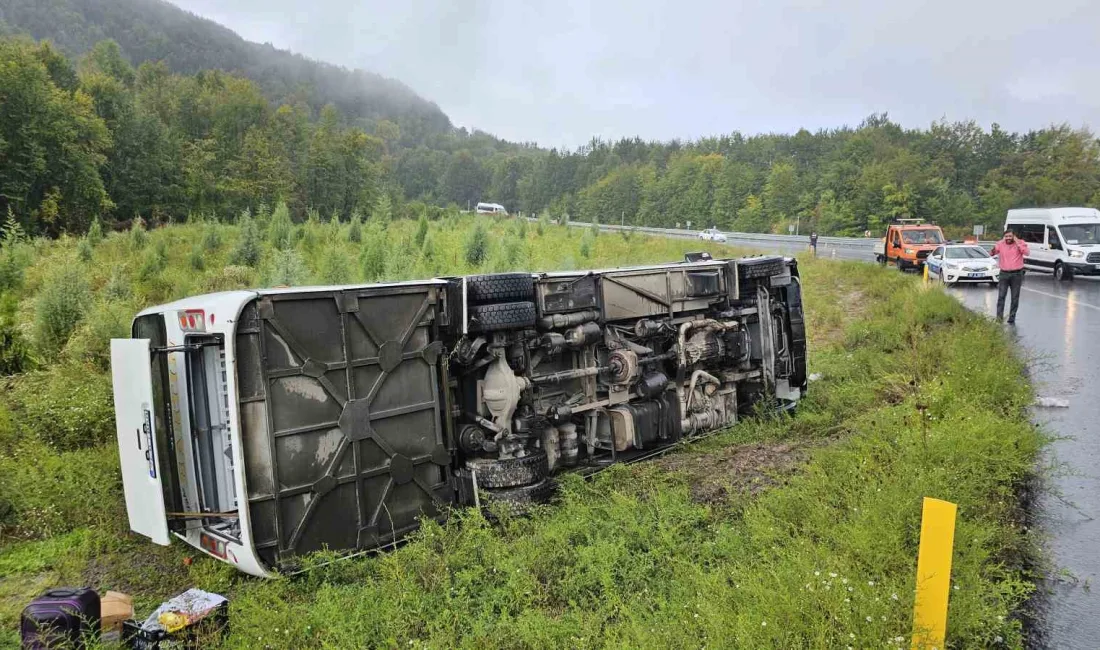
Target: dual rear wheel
(499, 302)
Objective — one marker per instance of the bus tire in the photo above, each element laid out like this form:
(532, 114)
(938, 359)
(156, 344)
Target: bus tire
(502, 316)
(500, 287)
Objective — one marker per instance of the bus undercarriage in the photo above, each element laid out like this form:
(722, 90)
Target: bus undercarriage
(336, 417)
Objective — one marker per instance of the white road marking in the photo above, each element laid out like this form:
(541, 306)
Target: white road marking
(1067, 299)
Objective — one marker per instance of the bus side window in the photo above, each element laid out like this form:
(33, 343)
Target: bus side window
(1032, 233)
(1052, 239)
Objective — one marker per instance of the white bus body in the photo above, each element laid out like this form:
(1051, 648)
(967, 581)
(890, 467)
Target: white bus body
(1062, 241)
(491, 208)
(259, 426)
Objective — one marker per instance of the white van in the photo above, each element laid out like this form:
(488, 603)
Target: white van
(491, 208)
(1062, 241)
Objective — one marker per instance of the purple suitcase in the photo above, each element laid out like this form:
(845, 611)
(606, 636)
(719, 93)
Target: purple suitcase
(61, 618)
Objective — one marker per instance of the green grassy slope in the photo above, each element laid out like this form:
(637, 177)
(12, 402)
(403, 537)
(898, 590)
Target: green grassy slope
(918, 397)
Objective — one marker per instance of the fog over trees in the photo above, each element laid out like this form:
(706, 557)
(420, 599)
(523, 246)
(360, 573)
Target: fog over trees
(135, 108)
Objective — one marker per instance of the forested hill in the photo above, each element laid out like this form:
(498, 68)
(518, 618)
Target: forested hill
(147, 124)
(154, 30)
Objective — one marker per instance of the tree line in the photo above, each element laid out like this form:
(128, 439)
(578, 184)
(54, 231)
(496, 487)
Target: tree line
(100, 138)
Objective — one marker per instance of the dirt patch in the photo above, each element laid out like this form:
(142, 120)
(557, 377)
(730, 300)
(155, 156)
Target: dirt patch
(745, 470)
(830, 319)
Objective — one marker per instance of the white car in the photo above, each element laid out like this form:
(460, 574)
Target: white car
(955, 263)
(713, 234)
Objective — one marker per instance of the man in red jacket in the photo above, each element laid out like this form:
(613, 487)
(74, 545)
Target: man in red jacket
(1010, 253)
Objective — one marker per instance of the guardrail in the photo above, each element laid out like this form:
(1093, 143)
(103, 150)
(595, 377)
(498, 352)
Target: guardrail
(792, 240)
(854, 243)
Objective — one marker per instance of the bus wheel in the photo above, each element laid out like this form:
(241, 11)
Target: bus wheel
(1061, 273)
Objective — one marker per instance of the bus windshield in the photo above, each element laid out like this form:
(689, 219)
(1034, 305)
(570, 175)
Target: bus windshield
(922, 236)
(1082, 234)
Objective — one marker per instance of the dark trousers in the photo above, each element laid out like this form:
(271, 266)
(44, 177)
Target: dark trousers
(1009, 280)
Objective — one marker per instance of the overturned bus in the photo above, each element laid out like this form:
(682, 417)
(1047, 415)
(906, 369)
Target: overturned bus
(262, 425)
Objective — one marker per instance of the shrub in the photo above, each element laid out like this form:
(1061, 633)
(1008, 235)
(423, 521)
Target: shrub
(521, 228)
(421, 231)
(197, 258)
(118, 286)
(509, 255)
(285, 268)
(262, 217)
(154, 261)
(211, 238)
(61, 303)
(280, 230)
(230, 278)
(91, 342)
(15, 354)
(247, 251)
(11, 268)
(308, 239)
(372, 259)
(66, 406)
(334, 226)
(477, 245)
(400, 261)
(427, 250)
(335, 268)
(595, 227)
(586, 247)
(95, 232)
(355, 229)
(84, 250)
(138, 236)
(383, 211)
(14, 254)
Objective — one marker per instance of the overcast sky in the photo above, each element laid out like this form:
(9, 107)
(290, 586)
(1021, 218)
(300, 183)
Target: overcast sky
(561, 71)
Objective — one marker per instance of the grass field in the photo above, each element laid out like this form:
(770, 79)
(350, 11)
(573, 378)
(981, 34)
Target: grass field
(785, 532)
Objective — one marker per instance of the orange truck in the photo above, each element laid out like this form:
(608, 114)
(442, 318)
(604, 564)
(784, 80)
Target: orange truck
(908, 242)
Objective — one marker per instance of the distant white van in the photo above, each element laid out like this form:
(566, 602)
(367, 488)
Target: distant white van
(1062, 241)
(491, 208)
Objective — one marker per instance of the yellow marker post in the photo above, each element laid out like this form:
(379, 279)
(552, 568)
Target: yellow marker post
(926, 273)
(937, 538)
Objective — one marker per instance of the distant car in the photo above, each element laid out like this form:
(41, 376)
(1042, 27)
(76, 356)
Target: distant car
(712, 234)
(955, 263)
(491, 208)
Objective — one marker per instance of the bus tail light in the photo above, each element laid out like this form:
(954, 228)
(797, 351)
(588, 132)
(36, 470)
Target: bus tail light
(192, 320)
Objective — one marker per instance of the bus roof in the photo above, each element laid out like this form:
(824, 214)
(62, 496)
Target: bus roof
(1054, 214)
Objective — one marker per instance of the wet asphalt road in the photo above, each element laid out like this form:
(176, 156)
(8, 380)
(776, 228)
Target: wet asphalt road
(1059, 325)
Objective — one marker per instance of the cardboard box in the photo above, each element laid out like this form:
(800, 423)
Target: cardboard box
(115, 607)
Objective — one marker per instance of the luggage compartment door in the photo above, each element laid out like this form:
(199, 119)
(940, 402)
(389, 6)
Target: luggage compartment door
(135, 421)
(341, 414)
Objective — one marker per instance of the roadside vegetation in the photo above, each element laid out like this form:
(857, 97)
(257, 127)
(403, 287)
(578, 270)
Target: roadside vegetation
(816, 548)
